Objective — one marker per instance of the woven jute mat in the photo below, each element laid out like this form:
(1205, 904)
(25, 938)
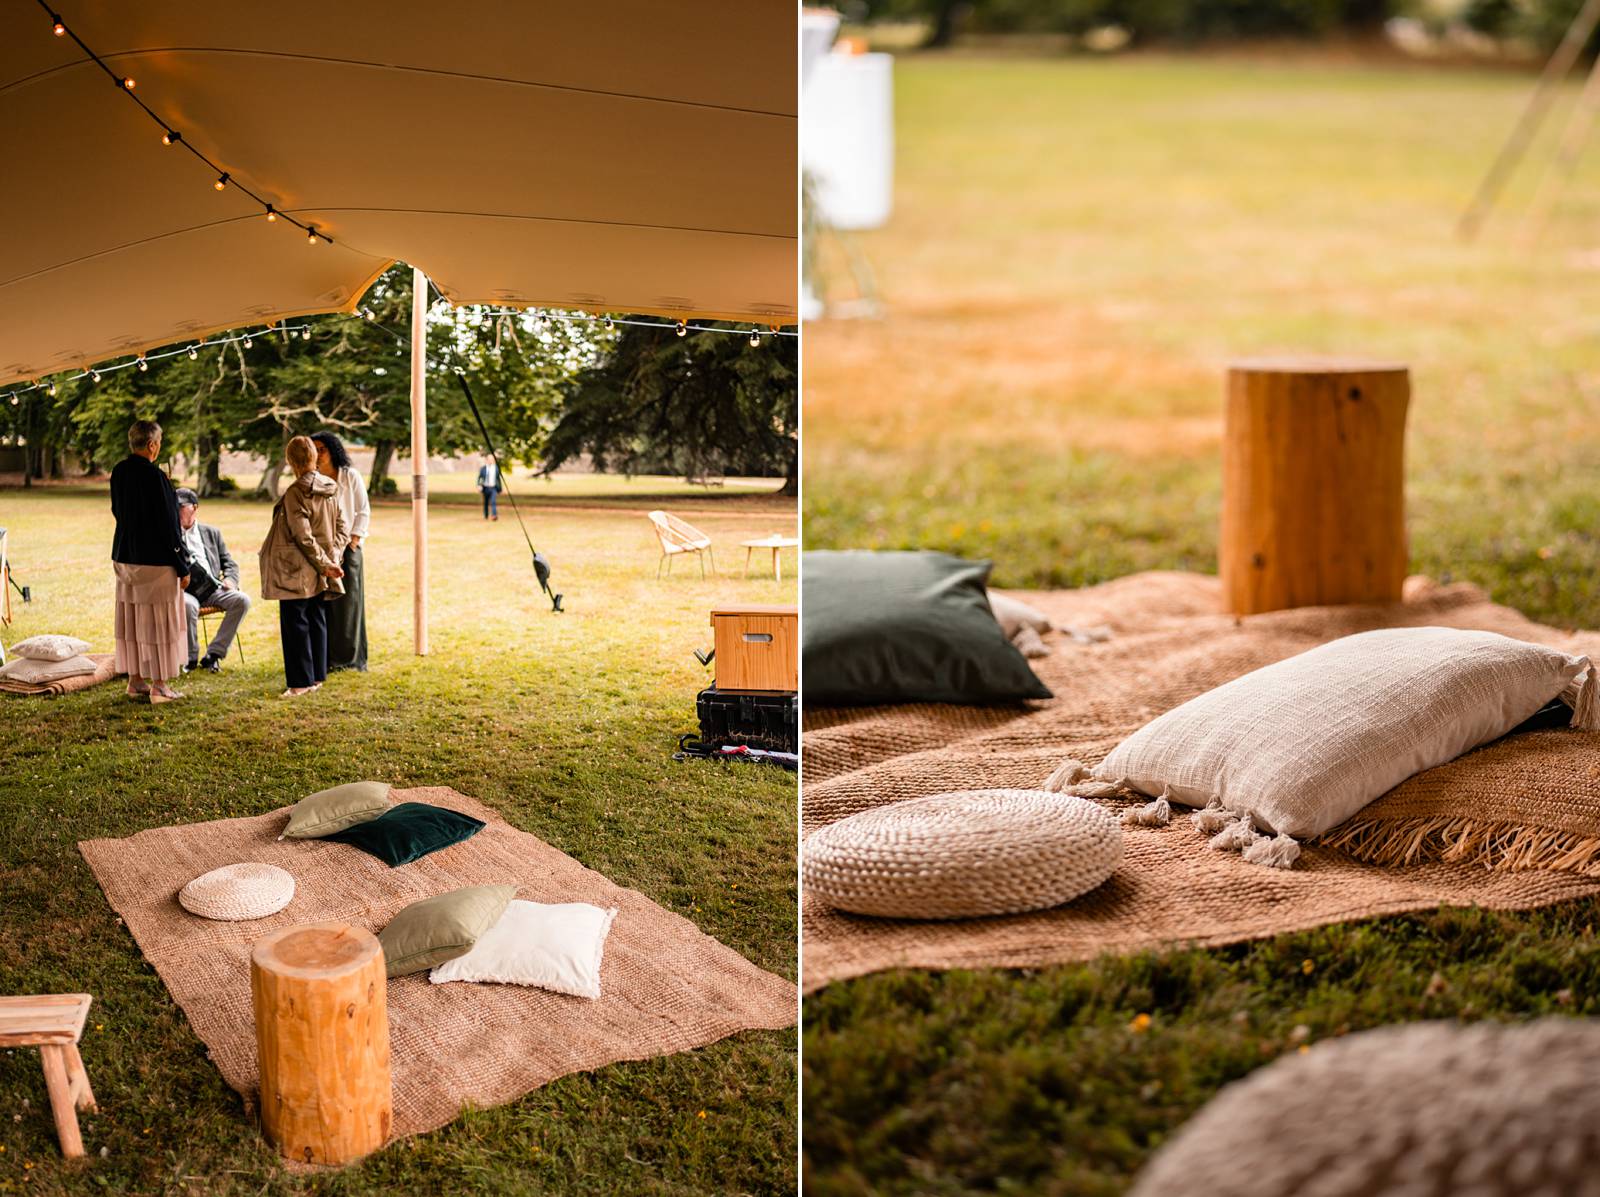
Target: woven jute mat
(1484, 830)
(105, 670)
(667, 986)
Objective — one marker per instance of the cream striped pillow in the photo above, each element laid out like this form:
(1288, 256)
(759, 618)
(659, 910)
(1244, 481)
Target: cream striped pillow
(1303, 744)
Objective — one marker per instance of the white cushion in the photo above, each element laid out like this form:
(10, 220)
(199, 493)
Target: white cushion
(555, 947)
(37, 672)
(1305, 743)
(49, 648)
(250, 890)
(962, 855)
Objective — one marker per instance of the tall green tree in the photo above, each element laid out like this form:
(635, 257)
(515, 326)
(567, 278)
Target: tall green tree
(699, 405)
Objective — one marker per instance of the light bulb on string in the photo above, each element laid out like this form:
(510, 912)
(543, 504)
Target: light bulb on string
(311, 234)
(58, 28)
(222, 181)
(143, 365)
(94, 374)
(755, 338)
(194, 352)
(127, 83)
(15, 399)
(248, 342)
(272, 214)
(683, 329)
(51, 388)
(171, 137)
(610, 324)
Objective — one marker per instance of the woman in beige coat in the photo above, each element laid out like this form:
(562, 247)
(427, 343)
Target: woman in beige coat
(300, 567)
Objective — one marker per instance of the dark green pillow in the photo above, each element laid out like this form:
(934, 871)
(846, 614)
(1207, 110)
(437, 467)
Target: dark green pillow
(409, 832)
(904, 627)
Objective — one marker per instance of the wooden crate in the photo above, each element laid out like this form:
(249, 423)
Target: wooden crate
(758, 647)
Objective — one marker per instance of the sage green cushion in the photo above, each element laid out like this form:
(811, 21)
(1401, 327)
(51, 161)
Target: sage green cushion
(328, 811)
(904, 627)
(441, 928)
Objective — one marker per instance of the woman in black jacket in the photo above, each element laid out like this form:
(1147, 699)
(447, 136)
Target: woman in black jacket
(152, 569)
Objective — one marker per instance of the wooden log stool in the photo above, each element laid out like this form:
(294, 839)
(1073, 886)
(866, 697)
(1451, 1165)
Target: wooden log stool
(53, 1023)
(1313, 483)
(322, 1038)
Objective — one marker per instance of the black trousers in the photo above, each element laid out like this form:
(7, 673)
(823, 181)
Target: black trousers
(303, 626)
(347, 618)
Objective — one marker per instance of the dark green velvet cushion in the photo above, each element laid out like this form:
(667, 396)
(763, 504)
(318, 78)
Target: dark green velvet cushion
(408, 832)
(904, 627)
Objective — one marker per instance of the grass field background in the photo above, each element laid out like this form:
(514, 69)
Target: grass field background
(1078, 248)
(565, 724)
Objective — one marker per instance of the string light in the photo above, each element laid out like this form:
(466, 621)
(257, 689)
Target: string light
(683, 329)
(194, 352)
(248, 342)
(171, 136)
(15, 400)
(51, 388)
(755, 337)
(610, 326)
(143, 365)
(94, 374)
(610, 323)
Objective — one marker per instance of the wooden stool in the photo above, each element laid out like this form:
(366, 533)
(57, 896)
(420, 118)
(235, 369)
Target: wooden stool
(53, 1023)
(1313, 483)
(322, 1038)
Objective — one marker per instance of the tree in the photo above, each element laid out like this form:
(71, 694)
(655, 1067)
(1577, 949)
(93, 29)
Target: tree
(699, 405)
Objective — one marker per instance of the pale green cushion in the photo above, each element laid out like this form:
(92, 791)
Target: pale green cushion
(441, 928)
(328, 811)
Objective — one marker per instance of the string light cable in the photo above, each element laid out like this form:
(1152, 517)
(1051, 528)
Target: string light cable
(222, 179)
(142, 361)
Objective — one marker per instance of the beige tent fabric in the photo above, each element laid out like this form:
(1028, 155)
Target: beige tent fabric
(1169, 643)
(639, 158)
(667, 986)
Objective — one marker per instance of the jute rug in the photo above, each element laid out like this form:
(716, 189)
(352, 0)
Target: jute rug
(104, 671)
(1512, 826)
(667, 986)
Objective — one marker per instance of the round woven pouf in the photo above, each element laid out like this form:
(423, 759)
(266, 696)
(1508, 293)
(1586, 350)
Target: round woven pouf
(238, 891)
(962, 855)
(1430, 1109)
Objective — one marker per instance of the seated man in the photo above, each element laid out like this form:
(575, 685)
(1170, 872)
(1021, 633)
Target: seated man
(213, 582)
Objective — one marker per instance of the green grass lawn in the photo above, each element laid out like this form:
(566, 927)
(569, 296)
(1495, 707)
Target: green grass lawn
(1077, 250)
(565, 724)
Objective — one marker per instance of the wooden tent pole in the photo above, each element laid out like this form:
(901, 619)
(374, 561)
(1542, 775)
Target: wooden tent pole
(419, 459)
(1577, 36)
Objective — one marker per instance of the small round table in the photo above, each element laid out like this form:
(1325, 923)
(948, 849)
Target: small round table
(776, 544)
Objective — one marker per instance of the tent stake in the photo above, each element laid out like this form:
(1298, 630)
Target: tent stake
(419, 458)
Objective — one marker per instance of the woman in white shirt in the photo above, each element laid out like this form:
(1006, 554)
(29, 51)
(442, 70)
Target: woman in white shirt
(347, 613)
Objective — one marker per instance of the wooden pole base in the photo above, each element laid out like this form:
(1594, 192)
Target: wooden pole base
(322, 1036)
(1313, 483)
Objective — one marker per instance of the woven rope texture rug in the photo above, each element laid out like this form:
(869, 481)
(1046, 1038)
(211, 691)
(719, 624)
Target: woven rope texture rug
(667, 986)
(1511, 826)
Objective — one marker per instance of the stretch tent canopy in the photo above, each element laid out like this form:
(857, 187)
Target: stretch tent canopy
(631, 157)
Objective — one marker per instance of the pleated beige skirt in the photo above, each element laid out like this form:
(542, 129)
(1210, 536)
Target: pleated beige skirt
(151, 635)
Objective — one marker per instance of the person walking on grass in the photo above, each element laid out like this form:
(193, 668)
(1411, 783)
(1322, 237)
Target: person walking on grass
(489, 483)
(152, 569)
(347, 614)
(299, 566)
(213, 582)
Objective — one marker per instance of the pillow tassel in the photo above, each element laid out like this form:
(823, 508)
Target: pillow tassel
(1273, 851)
(1236, 836)
(1068, 772)
(1213, 817)
(1151, 814)
(1586, 700)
